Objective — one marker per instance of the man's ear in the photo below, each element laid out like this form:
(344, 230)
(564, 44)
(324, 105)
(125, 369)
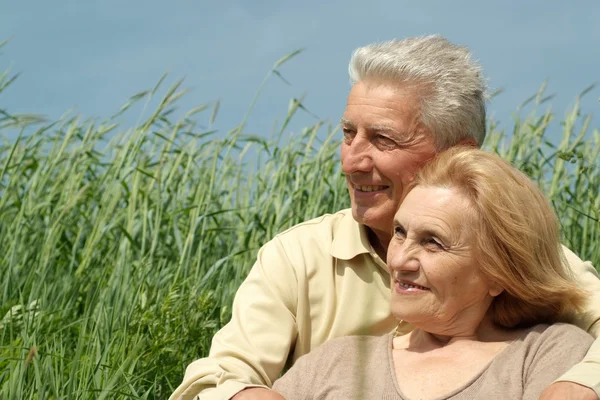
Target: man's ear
(469, 142)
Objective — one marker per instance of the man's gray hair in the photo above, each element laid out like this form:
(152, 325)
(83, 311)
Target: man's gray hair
(451, 84)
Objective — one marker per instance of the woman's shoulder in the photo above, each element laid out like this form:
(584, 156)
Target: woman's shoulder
(349, 351)
(336, 369)
(540, 355)
(555, 343)
(352, 347)
(557, 332)
(547, 343)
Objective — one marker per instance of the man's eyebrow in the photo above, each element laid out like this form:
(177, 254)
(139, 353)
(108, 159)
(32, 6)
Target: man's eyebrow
(376, 128)
(382, 128)
(344, 121)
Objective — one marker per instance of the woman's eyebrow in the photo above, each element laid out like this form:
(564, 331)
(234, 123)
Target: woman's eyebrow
(429, 231)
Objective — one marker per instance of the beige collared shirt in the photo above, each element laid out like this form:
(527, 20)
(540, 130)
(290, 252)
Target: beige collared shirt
(317, 281)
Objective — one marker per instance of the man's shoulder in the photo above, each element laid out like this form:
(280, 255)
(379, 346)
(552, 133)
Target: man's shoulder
(570, 256)
(322, 227)
(330, 236)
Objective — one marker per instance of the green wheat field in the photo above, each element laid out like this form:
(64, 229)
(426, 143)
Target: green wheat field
(121, 247)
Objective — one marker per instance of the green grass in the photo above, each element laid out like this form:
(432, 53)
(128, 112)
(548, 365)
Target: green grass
(121, 249)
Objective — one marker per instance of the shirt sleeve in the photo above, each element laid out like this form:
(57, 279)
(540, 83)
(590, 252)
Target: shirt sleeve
(251, 350)
(589, 319)
(559, 347)
(587, 372)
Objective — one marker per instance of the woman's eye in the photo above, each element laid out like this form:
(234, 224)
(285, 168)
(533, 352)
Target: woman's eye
(434, 242)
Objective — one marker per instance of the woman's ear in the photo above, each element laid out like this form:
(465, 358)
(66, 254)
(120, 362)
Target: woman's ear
(495, 289)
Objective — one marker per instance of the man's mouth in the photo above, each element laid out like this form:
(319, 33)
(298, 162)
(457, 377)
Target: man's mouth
(369, 188)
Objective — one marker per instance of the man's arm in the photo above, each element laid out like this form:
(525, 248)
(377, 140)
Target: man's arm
(251, 350)
(258, 394)
(580, 382)
(568, 391)
(577, 382)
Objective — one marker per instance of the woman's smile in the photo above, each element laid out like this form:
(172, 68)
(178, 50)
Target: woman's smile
(407, 287)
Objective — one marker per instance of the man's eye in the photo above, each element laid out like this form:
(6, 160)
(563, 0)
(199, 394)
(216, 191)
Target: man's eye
(348, 133)
(399, 231)
(385, 140)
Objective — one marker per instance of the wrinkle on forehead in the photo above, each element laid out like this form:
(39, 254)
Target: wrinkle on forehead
(424, 215)
(390, 107)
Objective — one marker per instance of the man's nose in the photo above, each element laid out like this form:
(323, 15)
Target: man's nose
(356, 155)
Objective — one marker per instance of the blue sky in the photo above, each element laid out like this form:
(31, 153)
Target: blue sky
(92, 55)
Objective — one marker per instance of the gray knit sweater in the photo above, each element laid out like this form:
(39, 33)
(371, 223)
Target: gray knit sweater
(361, 367)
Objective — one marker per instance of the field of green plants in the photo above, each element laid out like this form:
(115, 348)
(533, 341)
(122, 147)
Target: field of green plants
(121, 247)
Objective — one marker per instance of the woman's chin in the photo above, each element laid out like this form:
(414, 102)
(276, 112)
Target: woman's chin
(403, 315)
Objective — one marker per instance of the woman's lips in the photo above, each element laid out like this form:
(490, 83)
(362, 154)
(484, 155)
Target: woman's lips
(409, 287)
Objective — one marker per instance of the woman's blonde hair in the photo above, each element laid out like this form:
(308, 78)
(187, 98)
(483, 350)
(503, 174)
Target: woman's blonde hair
(516, 234)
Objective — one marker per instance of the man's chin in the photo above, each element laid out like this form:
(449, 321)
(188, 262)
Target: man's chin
(373, 217)
(364, 215)
(357, 214)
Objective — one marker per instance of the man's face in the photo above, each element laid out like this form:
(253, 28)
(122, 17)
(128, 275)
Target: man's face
(384, 146)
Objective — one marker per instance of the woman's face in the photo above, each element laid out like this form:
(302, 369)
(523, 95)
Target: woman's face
(436, 282)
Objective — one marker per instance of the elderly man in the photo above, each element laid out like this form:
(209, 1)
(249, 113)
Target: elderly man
(327, 278)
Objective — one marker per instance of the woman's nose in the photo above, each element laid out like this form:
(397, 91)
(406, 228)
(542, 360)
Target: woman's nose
(402, 257)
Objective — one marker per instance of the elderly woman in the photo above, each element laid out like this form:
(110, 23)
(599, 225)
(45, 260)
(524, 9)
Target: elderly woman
(476, 269)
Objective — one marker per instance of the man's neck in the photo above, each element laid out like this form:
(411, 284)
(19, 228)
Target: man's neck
(379, 242)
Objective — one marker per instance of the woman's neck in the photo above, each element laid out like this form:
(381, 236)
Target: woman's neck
(487, 331)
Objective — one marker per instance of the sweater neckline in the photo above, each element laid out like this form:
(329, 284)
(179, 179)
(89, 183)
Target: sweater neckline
(478, 376)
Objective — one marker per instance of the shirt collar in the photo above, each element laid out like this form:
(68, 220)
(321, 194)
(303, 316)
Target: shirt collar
(350, 238)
